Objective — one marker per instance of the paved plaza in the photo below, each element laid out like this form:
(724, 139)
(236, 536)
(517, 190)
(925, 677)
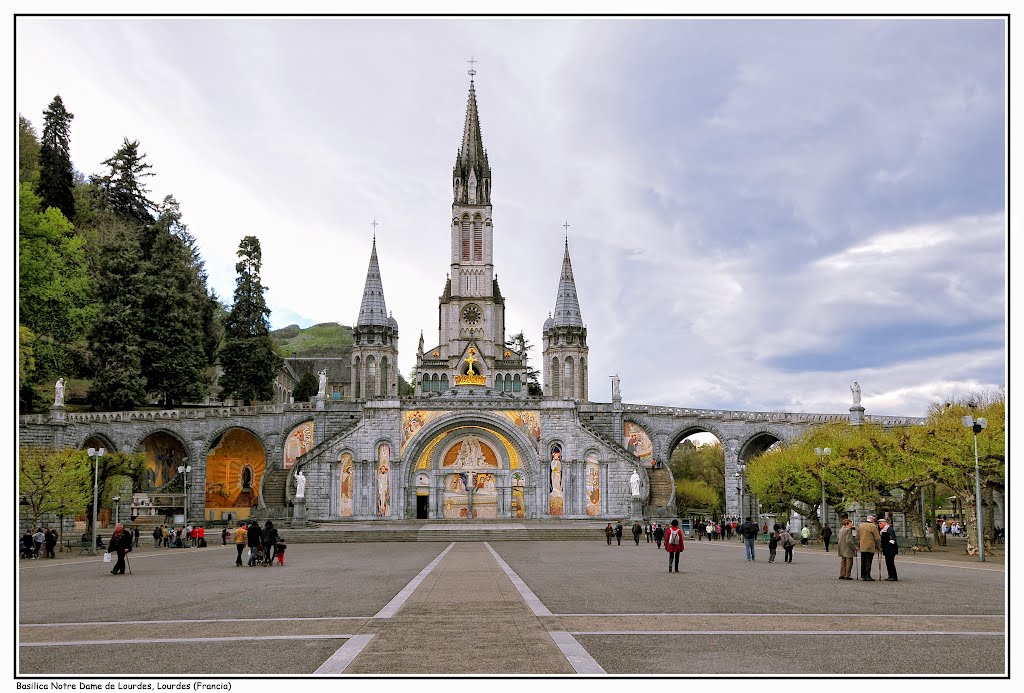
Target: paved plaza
(507, 608)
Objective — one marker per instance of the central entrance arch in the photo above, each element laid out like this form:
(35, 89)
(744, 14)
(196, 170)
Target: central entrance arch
(469, 467)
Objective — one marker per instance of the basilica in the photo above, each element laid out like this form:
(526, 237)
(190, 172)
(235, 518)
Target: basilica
(473, 441)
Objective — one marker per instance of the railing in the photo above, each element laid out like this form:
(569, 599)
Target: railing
(170, 414)
(767, 416)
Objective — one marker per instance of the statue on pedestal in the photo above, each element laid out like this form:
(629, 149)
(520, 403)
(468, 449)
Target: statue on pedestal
(855, 389)
(300, 485)
(634, 484)
(58, 398)
(615, 387)
(322, 392)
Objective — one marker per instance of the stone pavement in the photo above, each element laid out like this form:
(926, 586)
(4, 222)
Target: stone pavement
(507, 608)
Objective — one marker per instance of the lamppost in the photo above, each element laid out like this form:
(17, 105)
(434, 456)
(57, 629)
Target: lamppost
(95, 455)
(185, 469)
(977, 426)
(117, 509)
(822, 454)
(739, 486)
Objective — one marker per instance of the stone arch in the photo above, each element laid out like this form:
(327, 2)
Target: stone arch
(685, 431)
(757, 441)
(93, 437)
(162, 461)
(234, 454)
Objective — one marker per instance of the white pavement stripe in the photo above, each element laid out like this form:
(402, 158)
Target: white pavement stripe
(577, 656)
(195, 620)
(392, 607)
(528, 596)
(798, 615)
(996, 634)
(228, 638)
(339, 661)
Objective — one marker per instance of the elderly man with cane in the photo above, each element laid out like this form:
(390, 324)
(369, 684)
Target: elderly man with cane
(869, 541)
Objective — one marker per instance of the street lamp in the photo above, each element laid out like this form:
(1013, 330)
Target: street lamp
(185, 469)
(117, 509)
(739, 486)
(822, 454)
(95, 455)
(977, 426)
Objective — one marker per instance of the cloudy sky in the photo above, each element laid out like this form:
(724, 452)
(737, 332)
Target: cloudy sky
(761, 210)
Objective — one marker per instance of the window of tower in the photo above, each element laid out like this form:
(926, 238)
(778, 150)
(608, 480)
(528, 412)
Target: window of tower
(568, 380)
(478, 240)
(444, 382)
(466, 236)
(517, 384)
(426, 382)
(556, 378)
(435, 383)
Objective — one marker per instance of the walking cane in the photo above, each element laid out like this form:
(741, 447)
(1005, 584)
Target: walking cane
(129, 563)
(879, 564)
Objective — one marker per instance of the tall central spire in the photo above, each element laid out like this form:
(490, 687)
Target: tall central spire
(372, 310)
(567, 304)
(472, 174)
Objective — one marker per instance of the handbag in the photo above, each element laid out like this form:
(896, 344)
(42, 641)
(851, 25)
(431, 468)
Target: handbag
(106, 557)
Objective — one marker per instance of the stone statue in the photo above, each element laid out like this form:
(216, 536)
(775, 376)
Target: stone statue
(855, 389)
(58, 398)
(300, 485)
(634, 484)
(322, 392)
(615, 387)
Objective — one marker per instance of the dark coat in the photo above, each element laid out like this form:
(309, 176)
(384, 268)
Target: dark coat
(270, 536)
(255, 536)
(659, 533)
(749, 530)
(618, 530)
(889, 545)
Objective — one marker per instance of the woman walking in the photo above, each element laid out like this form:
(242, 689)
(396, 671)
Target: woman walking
(674, 545)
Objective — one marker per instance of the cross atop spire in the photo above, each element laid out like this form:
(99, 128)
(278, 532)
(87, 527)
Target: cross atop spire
(472, 71)
(374, 224)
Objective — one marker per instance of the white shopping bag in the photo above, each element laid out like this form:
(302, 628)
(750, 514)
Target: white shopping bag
(106, 557)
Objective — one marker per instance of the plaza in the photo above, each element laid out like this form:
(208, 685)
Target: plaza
(558, 608)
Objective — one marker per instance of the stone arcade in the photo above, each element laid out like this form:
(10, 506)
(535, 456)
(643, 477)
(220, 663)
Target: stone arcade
(472, 442)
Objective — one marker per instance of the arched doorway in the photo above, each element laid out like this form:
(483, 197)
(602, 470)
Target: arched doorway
(235, 464)
(468, 468)
(164, 454)
(697, 463)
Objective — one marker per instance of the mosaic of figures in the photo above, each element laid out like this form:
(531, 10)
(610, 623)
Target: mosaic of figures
(528, 422)
(234, 467)
(164, 454)
(593, 485)
(300, 441)
(518, 495)
(472, 491)
(345, 485)
(637, 441)
(383, 480)
(413, 421)
(556, 496)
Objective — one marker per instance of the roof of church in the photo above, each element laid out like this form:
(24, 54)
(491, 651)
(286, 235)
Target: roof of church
(567, 304)
(472, 155)
(372, 310)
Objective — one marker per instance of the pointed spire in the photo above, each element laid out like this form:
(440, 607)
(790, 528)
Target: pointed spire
(567, 304)
(419, 349)
(372, 310)
(472, 174)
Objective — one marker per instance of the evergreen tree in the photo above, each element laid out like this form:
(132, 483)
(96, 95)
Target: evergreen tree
(521, 345)
(56, 176)
(28, 152)
(55, 297)
(116, 345)
(306, 388)
(121, 190)
(248, 358)
(173, 304)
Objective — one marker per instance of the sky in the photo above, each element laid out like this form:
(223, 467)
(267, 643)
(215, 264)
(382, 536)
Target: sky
(761, 210)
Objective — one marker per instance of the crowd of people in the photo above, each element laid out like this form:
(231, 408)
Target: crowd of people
(264, 543)
(43, 540)
(178, 537)
(871, 536)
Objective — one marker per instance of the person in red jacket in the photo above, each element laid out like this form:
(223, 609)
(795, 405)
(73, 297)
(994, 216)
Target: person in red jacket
(674, 544)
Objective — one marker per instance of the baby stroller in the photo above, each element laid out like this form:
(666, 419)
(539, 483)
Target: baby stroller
(259, 556)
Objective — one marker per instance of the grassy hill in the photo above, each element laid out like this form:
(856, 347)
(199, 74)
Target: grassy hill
(328, 339)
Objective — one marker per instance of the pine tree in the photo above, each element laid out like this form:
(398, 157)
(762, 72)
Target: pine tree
(56, 176)
(116, 345)
(248, 358)
(174, 299)
(121, 190)
(28, 152)
(521, 345)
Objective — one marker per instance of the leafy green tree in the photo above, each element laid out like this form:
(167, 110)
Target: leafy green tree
(56, 175)
(55, 294)
(28, 152)
(248, 358)
(693, 494)
(521, 345)
(121, 190)
(54, 481)
(307, 387)
(705, 463)
(116, 344)
(174, 307)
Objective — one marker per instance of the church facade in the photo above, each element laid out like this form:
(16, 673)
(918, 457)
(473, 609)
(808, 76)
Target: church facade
(472, 442)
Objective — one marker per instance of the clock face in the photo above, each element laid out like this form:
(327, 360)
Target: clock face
(471, 315)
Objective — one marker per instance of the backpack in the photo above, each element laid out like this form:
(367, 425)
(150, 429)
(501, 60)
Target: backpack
(674, 538)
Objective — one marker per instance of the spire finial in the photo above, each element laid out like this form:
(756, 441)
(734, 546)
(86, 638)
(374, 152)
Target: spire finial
(374, 224)
(472, 71)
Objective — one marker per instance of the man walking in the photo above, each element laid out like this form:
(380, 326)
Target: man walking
(659, 534)
(637, 531)
(648, 532)
(826, 535)
(240, 541)
(255, 539)
(618, 533)
(846, 550)
(748, 530)
(890, 548)
(869, 540)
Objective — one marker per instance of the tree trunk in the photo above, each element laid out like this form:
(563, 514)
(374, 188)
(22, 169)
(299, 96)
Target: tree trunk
(990, 517)
(970, 515)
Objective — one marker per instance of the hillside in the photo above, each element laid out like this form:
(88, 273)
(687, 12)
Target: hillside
(326, 340)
